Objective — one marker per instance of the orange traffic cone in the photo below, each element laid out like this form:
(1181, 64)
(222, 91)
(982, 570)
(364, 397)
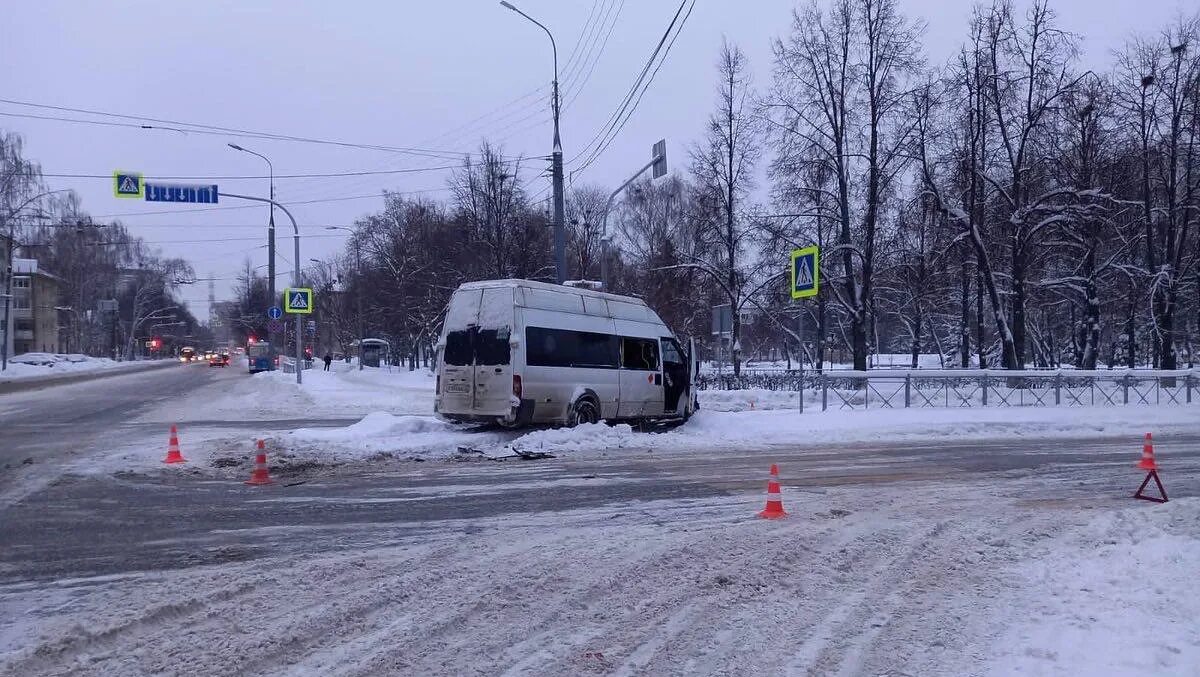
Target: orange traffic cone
(774, 509)
(1148, 464)
(173, 455)
(260, 474)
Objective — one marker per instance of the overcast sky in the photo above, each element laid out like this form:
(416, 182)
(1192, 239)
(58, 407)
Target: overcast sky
(398, 73)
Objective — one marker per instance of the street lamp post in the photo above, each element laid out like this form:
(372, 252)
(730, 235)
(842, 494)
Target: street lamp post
(270, 227)
(357, 288)
(556, 163)
(295, 275)
(659, 164)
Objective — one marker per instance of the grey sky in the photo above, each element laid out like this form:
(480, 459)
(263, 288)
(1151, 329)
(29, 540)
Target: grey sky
(397, 73)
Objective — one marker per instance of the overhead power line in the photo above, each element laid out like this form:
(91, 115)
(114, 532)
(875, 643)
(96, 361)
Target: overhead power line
(109, 176)
(611, 136)
(215, 130)
(614, 119)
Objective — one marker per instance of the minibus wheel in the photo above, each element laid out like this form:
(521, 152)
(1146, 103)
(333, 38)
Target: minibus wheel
(585, 411)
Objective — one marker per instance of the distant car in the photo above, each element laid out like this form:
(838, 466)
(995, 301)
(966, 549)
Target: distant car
(218, 361)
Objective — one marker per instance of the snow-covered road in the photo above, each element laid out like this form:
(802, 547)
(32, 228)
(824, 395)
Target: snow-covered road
(946, 578)
(904, 560)
(935, 542)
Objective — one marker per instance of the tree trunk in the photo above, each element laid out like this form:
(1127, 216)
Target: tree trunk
(964, 327)
(1017, 360)
(916, 339)
(979, 318)
(1131, 334)
(819, 342)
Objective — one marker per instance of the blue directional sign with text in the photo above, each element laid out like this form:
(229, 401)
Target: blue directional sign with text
(175, 192)
(805, 273)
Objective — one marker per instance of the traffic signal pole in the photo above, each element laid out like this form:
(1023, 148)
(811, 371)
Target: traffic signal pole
(295, 276)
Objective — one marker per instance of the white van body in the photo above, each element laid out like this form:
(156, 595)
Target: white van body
(519, 352)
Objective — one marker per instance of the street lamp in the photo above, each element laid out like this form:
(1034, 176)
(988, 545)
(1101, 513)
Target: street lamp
(295, 274)
(556, 163)
(270, 225)
(357, 287)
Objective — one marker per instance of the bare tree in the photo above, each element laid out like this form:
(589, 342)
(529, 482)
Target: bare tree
(723, 167)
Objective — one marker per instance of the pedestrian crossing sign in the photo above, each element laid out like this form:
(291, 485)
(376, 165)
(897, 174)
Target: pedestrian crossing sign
(128, 184)
(805, 273)
(298, 300)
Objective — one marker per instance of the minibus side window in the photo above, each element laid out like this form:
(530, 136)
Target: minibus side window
(640, 354)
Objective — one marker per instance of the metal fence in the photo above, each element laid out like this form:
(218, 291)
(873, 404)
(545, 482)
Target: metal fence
(924, 388)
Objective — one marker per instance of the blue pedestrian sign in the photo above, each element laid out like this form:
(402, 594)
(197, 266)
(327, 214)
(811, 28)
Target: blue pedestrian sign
(805, 273)
(274, 312)
(176, 192)
(298, 300)
(127, 184)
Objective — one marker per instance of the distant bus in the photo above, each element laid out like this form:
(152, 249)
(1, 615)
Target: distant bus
(259, 358)
(187, 354)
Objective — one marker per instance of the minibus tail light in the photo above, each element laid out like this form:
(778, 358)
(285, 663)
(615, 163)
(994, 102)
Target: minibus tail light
(516, 386)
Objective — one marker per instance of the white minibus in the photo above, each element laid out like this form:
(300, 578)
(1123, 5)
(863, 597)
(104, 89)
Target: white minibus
(518, 352)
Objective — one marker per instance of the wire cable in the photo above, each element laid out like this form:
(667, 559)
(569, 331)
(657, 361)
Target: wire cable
(611, 122)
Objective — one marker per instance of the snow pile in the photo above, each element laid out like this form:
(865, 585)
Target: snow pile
(429, 437)
(34, 365)
(373, 425)
(343, 392)
(381, 433)
(587, 437)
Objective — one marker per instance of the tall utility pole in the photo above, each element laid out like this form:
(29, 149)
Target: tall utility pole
(358, 271)
(556, 163)
(295, 277)
(270, 230)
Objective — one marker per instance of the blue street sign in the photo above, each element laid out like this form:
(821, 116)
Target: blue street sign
(274, 312)
(174, 192)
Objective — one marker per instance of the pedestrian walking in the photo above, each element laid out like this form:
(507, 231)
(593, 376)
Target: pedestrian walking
(328, 359)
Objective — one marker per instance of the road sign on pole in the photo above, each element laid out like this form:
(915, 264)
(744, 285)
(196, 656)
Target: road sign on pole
(298, 301)
(274, 312)
(805, 273)
(128, 184)
(177, 192)
(659, 153)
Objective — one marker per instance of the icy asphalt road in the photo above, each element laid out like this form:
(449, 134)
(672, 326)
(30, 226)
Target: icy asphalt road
(80, 526)
(51, 426)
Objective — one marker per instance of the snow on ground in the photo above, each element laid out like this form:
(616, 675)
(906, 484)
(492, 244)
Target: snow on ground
(396, 421)
(860, 580)
(385, 437)
(759, 428)
(344, 392)
(42, 365)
